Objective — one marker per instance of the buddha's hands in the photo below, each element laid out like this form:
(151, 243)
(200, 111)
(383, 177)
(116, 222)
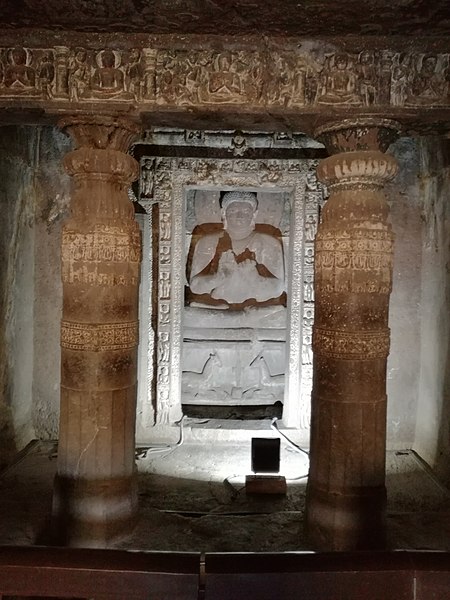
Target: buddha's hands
(239, 280)
(247, 268)
(227, 265)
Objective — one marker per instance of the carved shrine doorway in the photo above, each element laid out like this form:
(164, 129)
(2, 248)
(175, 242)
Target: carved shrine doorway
(234, 351)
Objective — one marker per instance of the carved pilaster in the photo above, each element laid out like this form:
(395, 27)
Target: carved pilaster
(95, 496)
(353, 277)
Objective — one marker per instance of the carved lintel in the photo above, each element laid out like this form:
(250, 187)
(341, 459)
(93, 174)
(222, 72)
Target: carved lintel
(299, 77)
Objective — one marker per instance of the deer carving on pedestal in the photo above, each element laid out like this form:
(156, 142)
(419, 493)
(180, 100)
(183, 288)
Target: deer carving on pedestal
(203, 381)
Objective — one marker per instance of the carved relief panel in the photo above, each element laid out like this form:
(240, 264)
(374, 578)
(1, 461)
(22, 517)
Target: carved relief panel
(234, 335)
(295, 78)
(210, 346)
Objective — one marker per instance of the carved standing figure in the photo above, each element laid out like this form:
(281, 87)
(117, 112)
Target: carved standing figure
(310, 228)
(308, 289)
(163, 347)
(46, 74)
(134, 74)
(78, 75)
(400, 80)
(367, 75)
(148, 177)
(165, 227)
(279, 86)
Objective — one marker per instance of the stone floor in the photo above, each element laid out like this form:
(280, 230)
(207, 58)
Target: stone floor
(193, 499)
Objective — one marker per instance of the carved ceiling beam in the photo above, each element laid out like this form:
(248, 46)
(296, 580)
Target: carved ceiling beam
(286, 86)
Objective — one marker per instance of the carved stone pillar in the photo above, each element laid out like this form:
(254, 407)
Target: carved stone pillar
(346, 492)
(95, 496)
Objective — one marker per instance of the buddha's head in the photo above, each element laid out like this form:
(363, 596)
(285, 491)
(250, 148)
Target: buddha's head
(429, 63)
(108, 59)
(19, 56)
(341, 61)
(239, 210)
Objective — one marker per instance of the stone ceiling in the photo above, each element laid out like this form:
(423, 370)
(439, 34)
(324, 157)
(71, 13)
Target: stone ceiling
(234, 17)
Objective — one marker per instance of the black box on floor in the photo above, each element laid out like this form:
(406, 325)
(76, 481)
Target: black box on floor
(265, 455)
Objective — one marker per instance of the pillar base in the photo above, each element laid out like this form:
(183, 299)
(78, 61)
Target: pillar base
(93, 513)
(344, 522)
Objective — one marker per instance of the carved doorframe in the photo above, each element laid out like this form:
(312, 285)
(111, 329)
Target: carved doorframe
(159, 398)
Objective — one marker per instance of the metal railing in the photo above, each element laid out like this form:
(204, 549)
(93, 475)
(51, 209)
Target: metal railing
(112, 574)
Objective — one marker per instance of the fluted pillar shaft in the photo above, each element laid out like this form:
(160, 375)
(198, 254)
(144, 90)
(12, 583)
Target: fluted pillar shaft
(346, 492)
(95, 497)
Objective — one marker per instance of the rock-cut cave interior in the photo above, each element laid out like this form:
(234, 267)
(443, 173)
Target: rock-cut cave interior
(225, 229)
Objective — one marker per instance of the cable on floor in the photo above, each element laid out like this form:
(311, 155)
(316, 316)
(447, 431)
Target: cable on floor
(274, 426)
(144, 452)
(234, 490)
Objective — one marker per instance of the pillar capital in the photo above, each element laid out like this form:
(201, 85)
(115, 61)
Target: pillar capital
(101, 167)
(357, 170)
(100, 132)
(360, 134)
(110, 166)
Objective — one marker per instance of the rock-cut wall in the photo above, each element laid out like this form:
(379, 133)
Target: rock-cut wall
(432, 439)
(33, 196)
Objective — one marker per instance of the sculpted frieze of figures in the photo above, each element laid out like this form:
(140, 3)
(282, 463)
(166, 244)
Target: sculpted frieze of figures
(203, 76)
(285, 79)
(78, 74)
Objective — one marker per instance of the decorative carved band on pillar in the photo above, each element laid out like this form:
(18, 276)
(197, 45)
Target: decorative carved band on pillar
(95, 496)
(346, 492)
